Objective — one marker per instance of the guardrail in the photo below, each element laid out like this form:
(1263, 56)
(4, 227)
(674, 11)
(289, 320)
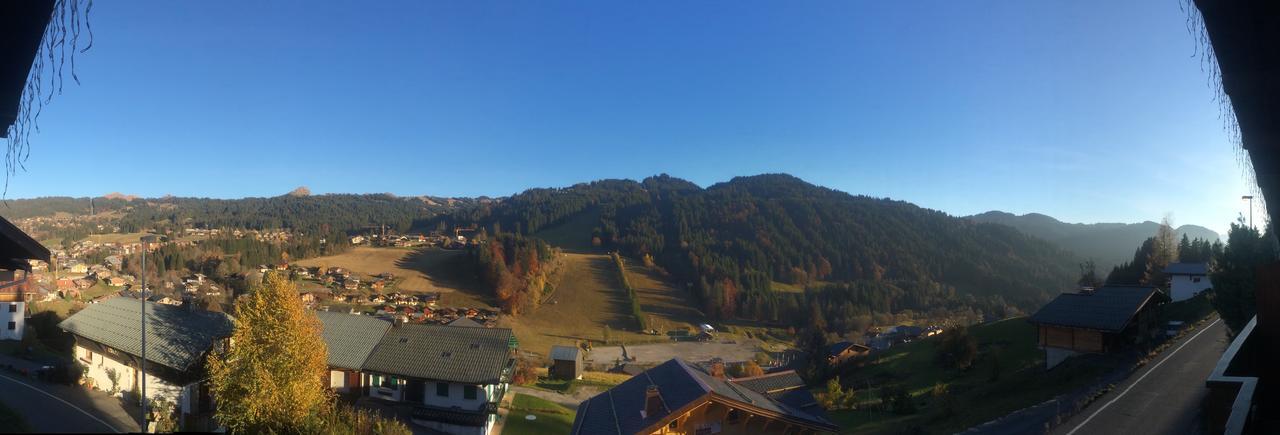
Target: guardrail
(1229, 407)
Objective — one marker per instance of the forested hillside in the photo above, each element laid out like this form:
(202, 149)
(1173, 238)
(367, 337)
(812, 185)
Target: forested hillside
(1107, 244)
(322, 214)
(857, 256)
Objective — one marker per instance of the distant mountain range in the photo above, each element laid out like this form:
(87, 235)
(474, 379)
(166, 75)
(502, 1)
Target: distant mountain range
(1108, 244)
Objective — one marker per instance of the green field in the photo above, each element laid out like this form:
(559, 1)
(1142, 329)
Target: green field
(550, 418)
(977, 395)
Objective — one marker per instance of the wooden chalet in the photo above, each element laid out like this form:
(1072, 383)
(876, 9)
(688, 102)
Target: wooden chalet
(1099, 320)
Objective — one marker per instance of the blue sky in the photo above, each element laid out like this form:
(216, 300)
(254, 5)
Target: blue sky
(1086, 111)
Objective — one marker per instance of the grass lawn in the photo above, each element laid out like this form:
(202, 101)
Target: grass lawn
(978, 395)
(98, 289)
(12, 422)
(116, 237)
(550, 418)
(593, 379)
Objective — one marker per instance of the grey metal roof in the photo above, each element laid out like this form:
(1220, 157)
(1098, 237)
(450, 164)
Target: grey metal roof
(1187, 269)
(1107, 308)
(176, 337)
(618, 410)
(350, 337)
(446, 353)
(569, 353)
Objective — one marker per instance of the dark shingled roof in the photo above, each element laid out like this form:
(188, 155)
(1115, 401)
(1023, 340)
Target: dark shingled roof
(350, 338)
(1187, 269)
(772, 383)
(176, 337)
(1107, 308)
(569, 353)
(446, 353)
(618, 410)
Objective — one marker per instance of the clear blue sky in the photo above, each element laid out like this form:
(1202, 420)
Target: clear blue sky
(1086, 111)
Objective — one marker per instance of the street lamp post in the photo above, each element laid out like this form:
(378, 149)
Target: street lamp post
(142, 363)
(1250, 198)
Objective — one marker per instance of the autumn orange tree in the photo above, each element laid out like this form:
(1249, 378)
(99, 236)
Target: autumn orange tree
(271, 378)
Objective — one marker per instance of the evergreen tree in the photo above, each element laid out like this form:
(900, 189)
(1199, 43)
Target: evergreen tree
(1233, 279)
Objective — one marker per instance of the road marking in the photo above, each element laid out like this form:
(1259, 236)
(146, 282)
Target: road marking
(1140, 378)
(77, 408)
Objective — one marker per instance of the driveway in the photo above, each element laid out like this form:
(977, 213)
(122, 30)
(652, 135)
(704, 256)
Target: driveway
(741, 350)
(1163, 397)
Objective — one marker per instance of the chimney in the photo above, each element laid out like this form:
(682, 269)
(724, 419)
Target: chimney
(717, 369)
(652, 402)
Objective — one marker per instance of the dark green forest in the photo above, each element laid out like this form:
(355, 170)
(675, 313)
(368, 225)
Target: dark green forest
(854, 255)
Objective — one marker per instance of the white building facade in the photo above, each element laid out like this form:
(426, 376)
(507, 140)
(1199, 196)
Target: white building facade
(1186, 280)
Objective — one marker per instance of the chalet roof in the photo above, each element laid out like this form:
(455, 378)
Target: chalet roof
(566, 353)
(1107, 308)
(465, 322)
(22, 26)
(176, 337)
(837, 348)
(350, 337)
(16, 246)
(618, 410)
(772, 383)
(1187, 269)
(446, 353)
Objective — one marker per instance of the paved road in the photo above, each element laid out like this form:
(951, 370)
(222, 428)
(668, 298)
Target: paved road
(1163, 397)
(61, 408)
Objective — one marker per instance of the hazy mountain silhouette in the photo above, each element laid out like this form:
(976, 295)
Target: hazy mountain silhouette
(1107, 244)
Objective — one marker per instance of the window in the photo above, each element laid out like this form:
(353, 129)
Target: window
(442, 389)
(13, 308)
(389, 382)
(13, 325)
(375, 380)
(469, 392)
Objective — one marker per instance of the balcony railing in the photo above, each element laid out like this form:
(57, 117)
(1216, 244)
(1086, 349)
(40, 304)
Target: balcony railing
(1229, 407)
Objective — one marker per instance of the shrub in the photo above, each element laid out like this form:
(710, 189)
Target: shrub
(348, 420)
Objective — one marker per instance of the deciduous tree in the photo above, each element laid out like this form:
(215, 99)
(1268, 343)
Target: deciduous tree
(271, 378)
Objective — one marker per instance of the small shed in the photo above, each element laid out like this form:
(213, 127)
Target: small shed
(566, 363)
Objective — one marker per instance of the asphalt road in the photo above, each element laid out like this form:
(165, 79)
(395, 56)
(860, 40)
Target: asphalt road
(62, 409)
(1163, 397)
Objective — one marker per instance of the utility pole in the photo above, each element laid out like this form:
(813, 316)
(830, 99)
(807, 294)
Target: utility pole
(1250, 198)
(142, 363)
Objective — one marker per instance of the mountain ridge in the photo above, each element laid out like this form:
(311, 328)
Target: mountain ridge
(1106, 243)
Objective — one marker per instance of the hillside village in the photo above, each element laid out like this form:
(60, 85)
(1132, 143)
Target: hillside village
(756, 304)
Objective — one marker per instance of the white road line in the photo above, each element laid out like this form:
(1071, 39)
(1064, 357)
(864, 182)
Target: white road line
(77, 408)
(1144, 376)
